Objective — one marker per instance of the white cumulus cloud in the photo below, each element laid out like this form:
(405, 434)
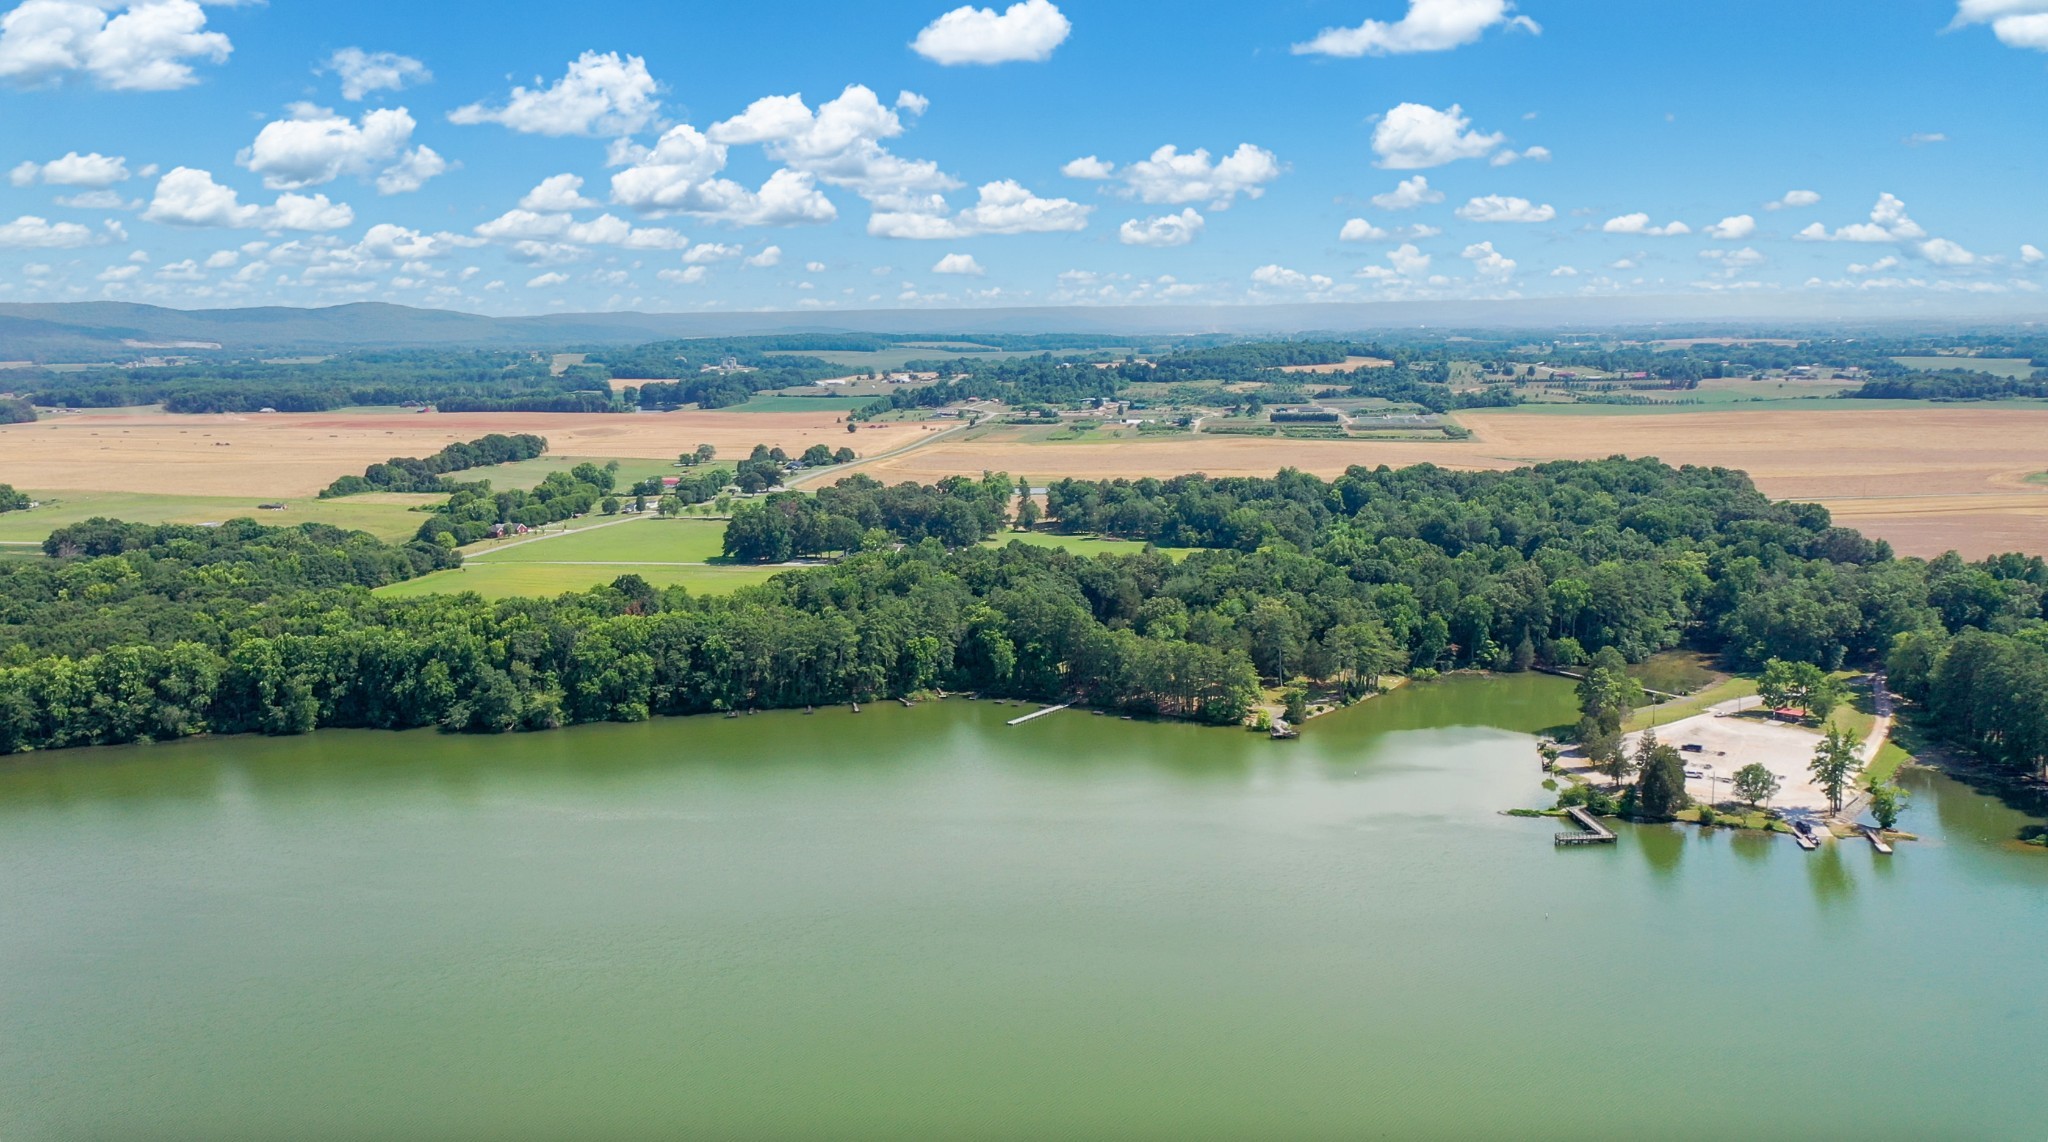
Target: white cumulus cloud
(189, 197)
(1794, 199)
(599, 94)
(1359, 230)
(363, 72)
(2016, 23)
(1502, 208)
(544, 281)
(29, 232)
(769, 256)
(1004, 207)
(1733, 228)
(556, 193)
(1888, 223)
(839, 144)
(1165, 230)
(2032, 255)
(1640, 224)
(958, 264)
(1429, 26)
(1280, 277)
(1171, 178)
(1412, 192)
(1489, 263)
(1023, 32)
(93, 170)
(1416, 136)
(142, 46)
(316, 146)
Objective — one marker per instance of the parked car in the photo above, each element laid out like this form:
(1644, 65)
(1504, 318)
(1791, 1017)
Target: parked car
(1693, 747)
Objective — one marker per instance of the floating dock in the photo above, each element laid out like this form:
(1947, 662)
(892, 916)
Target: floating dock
(1592, 832)
(1038, 714)
(1806, 841)
(1877, 840)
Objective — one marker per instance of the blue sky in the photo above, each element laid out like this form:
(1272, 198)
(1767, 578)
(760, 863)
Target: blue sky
(525, 158)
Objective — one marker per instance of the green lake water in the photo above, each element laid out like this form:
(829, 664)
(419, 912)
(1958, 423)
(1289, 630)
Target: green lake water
(921, 923)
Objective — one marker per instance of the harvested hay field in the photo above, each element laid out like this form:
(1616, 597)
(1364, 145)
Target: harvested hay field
(1928, 478)
(1344, 366)
(294, 455)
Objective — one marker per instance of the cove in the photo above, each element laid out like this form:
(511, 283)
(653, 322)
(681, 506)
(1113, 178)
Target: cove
(921, 923)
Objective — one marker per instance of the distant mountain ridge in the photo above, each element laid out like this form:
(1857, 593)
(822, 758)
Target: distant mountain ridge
(117, 331)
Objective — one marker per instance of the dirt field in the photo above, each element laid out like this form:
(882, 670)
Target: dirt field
(295, 455)
(1927, 479)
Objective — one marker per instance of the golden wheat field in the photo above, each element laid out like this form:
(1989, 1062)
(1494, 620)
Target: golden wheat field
(297, 454)
(1928, 480)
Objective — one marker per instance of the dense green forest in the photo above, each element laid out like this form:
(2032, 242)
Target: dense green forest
(16, 411)
(860, 513)
(135, 632)
(1951, 385)
(406, 474)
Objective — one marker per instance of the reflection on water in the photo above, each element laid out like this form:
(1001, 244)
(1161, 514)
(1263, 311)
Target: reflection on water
(924, 923)
(1829, 874)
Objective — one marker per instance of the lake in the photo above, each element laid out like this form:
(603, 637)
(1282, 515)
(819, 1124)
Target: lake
(921, 923)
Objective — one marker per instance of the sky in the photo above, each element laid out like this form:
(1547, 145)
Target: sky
(515, 158)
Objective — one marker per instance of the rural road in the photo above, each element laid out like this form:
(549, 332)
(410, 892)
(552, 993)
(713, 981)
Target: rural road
(900, 449)
(555, 535)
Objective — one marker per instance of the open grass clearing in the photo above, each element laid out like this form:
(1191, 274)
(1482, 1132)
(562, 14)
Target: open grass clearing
(2016, 368)
(834, 404)
(1677, 672)
(643, 540)
(388, 516)
(1078, 544)
(504, 580)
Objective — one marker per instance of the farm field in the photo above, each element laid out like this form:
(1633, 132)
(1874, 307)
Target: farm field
(1927, 478)
(2018, 368)
(387, 516)
(513, 580)
(835, 405)
(294, 455)
(646, 540)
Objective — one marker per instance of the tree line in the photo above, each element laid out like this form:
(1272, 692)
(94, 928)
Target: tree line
(405, 474)
(860, 513)
(1379, 571)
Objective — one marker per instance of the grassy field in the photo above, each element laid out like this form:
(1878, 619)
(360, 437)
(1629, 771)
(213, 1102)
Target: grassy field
(641, 541)
(2018, 368)
(1676, 672)
(1078, 544)
(836, 405)
(1692, 704)
(506, 580)
(386, 516)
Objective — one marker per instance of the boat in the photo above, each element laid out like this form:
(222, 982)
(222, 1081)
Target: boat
(1283, 730)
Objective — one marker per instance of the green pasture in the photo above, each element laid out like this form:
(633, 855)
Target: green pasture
(651, 540)
(1078, 544)
(387, 516)
(2018, 368)
(837, 405)
(505, 580)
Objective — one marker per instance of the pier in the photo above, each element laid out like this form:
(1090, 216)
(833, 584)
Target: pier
(1592, 832)
(1038, 714)
(1877, 840)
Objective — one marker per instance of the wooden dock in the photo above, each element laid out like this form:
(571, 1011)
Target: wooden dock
(1592, 832)
(1038, 714)
(1877, 840)
(1806, 841)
